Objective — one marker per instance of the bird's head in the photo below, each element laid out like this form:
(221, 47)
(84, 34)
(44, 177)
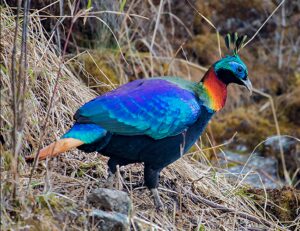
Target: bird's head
(231, 69)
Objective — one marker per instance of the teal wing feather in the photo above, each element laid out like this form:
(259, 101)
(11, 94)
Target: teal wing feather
(154, 107)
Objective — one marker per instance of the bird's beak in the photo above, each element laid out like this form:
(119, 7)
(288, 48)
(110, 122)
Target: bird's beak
(248, 85)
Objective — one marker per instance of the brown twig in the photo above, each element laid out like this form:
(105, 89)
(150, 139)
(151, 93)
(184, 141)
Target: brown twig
(52, 97)
(285, 172)
(19, 90)
(14, 98)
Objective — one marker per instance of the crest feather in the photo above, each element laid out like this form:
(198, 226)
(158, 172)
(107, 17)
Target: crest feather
(227, 41)
(234, 42)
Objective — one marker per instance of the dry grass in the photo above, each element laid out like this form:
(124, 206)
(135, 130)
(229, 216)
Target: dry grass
(196, 196)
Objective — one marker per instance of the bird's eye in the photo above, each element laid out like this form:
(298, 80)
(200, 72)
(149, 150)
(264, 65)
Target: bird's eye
(239, 69)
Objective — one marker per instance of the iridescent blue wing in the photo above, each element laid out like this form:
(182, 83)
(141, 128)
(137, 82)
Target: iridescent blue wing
(154, 107)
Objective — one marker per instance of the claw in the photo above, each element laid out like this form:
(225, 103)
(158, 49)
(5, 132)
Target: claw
(110, 180)
(156, 198)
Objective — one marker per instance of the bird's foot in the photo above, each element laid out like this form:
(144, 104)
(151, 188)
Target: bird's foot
(156, 198)
(110, 181)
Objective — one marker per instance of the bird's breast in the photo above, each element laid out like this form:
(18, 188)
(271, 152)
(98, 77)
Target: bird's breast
(195, 131)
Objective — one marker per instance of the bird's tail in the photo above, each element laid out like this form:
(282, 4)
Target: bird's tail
(77, 135)
(56, 148)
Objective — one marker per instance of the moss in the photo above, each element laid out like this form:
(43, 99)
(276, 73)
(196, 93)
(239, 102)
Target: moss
(102, 68)
(41, 222)
(193, 149)
(297, 79)
(6, 157)
(290, 105)
(49, 199)
(201, 228)
(251, 128)
(283, 203)
(231, 164)
(205, 48)
(6, 188)
(251, 125)
(266, 76)
(94, 169)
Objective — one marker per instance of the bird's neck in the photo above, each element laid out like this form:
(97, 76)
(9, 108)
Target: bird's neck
(215, 91)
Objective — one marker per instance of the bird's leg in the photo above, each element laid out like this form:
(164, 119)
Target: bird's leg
(151, 177)
(113, 162)
(112, 169)
(110, 180)
(156, 198)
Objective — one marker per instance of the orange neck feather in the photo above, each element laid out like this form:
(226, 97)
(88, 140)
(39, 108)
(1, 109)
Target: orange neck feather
(216, 90)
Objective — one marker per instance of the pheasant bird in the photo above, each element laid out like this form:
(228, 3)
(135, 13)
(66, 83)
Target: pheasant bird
(153, 121)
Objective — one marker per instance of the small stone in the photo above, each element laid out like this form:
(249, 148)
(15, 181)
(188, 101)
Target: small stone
(254, 170)
(272, 144)
(110, 221)
(291, 150)
(110, 200)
